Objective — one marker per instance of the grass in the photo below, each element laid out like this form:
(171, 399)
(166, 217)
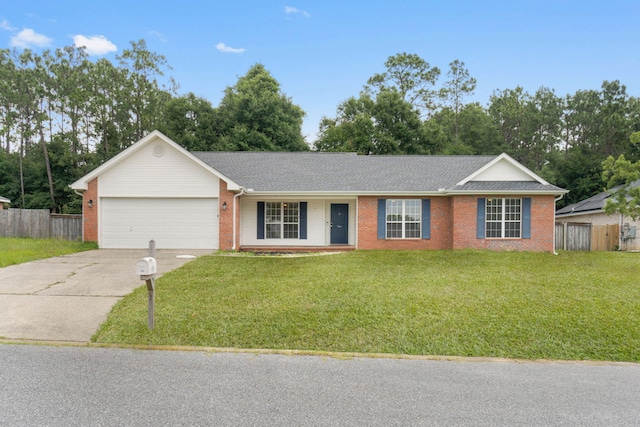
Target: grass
(19, 250)
(574, 306)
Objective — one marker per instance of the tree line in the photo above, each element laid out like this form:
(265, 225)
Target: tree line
(62, 115)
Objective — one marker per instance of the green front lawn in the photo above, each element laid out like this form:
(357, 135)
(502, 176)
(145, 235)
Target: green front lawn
(19, 250)
(467, 303)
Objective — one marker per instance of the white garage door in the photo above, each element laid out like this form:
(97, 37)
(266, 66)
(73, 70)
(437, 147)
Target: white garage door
(172, 223)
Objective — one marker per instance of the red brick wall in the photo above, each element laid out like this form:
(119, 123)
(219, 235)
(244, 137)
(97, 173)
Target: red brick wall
(453, 226)
(226, 219)
(465, 209)
(368, 227)
(90, 215)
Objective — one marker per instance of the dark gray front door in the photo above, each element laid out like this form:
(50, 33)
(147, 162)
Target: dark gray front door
(339, 224)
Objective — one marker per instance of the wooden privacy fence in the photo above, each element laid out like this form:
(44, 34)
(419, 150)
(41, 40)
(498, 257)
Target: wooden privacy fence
(39, 224)
(587, 237)
(605, 237)
(559, 241)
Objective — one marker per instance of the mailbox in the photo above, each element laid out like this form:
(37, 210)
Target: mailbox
(146, 266)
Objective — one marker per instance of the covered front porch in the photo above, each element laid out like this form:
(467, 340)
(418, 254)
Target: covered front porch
(297, 223)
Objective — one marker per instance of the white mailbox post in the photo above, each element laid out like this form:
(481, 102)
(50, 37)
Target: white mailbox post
(147, 268)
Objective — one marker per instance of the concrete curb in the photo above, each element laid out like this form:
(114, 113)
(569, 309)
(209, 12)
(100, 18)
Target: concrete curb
(316, 353)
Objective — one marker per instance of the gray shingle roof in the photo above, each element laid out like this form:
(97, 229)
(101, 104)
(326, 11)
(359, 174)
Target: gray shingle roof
(506, 186)
(348, 172)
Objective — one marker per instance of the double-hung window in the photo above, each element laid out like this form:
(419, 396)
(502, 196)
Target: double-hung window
(282, 220)
(503, 218)
(403, 218)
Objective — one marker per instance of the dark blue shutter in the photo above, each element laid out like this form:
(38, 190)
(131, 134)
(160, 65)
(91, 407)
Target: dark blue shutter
(303, 220)
(260, 220)
(426, 218)
(382, 218)
(526, 218)
(480, 233)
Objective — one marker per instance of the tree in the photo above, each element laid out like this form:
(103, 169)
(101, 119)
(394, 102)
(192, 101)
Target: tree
(61, 115)
(477, 133)
(142, 92)
(352, 130)
(412, 77)
(384, 125)
(191, 122)
(530, 125)
(601, 120)
(621, 176)
(255, 115)
(9, 176)
(578, 171)
(459, 86)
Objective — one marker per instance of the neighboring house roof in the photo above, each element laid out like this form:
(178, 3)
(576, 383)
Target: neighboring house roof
(593, 204)
(3, 200)
(352, 173)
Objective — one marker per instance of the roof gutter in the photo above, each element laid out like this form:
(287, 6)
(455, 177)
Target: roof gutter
(235, 202)
(439, 192)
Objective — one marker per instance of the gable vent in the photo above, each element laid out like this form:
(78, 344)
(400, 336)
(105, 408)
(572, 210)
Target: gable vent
(159, 150)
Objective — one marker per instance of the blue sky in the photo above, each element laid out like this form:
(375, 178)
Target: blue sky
(323, 52)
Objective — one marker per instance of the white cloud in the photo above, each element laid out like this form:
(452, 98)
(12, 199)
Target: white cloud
(295, 11)
(227, 49)
(158, 35)
(28, 38)
(6, 26)
(94, 45)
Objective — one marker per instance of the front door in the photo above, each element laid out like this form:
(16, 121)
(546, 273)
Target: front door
(339, 224)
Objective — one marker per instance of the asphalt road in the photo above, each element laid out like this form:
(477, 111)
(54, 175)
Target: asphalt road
(81, 386)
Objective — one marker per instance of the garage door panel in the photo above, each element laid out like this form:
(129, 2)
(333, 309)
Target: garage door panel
(172, 223)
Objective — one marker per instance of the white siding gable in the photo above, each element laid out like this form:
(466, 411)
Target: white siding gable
(158, 170)
(503, 170)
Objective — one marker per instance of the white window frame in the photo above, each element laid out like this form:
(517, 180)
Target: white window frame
(402, 218)
(282, 220)
(503, 218)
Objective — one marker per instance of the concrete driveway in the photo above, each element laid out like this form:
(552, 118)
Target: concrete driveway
(67, 298)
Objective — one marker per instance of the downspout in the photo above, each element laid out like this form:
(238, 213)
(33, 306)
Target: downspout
(235, 197)
(556, 200)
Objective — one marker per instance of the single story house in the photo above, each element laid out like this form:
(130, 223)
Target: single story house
(3, 201)
(588, 216)
(155, 189)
